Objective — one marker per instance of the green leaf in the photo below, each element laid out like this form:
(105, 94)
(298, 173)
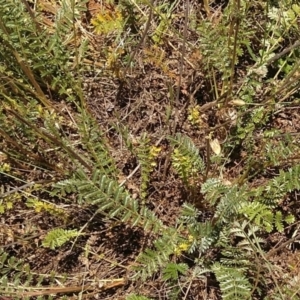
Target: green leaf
(289, 219)
(173, 270)
(137, 297)
(278, 221)
(57, 237)
(233, 283)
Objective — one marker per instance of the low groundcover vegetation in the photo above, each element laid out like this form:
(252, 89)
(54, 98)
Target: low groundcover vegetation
(149, 149)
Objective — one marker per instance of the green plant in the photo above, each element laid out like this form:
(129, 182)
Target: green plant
(164, 13)
(108, 21)
(42, 206)
(147, 155)
(231, 35)
(224, 228)
(233, 283)
(136, 297)
(17, 278)
(110, 198)
(230, 204)
(186, 159)
(22, 35)
(57, 237)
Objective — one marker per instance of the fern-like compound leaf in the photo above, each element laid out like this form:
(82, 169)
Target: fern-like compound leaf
(233, 283)
(186, 159)
(57, 237)
(173, 270)
(110, 197)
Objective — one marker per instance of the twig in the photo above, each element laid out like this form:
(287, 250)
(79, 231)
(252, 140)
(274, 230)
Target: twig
(17, 189)
(274, 250)
(130, 175)
(72, 289)
(283, 52)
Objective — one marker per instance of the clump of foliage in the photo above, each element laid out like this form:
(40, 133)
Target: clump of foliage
(107, 21)
(147, 155)
(186, 159)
